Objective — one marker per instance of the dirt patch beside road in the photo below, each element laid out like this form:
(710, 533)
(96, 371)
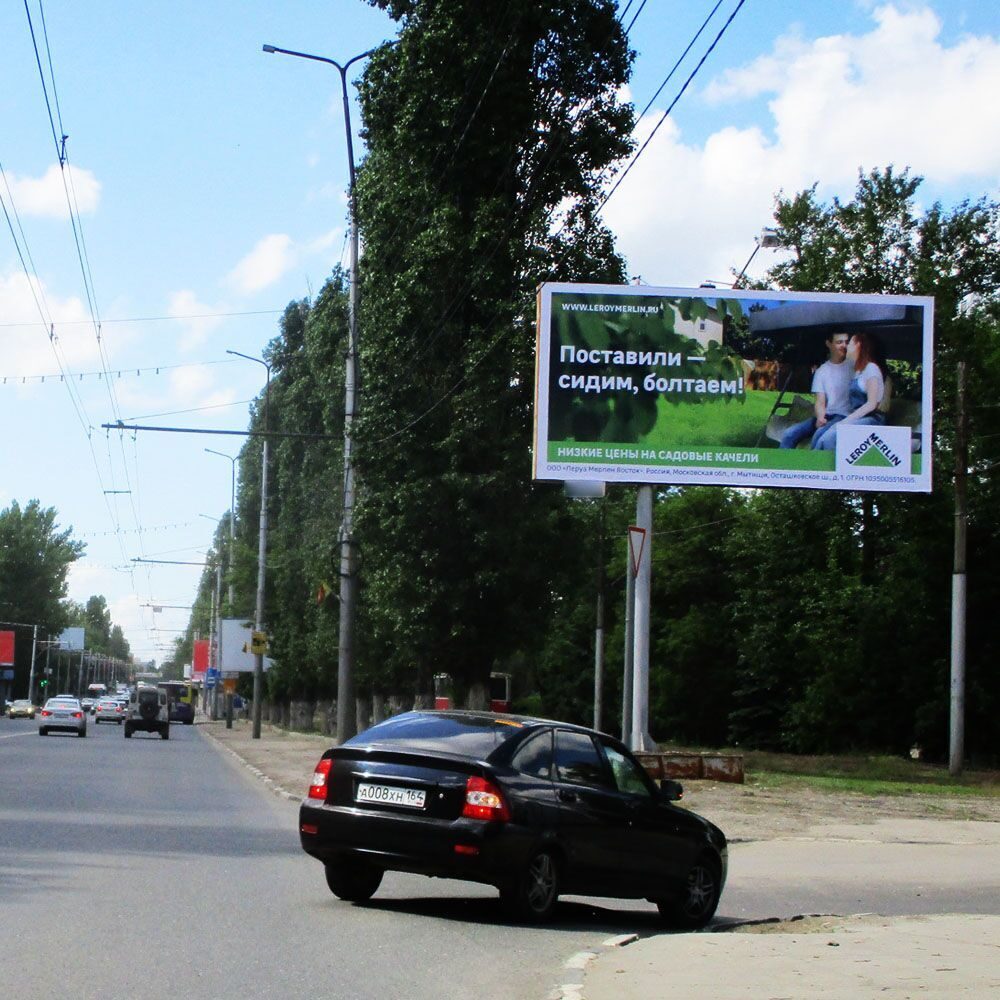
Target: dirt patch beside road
(752, 812)
(744, 812)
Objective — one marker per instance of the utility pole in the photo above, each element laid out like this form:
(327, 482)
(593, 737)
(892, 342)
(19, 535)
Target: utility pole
(31, 674)
(956, 749)
(258, 666)
(232, 516)
(346, 711)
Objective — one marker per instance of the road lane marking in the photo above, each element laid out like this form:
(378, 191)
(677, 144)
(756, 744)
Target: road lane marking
(27, 732)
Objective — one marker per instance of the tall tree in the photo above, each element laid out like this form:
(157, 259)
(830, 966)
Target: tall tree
(35, 557)
(488, 128)
(845, 612)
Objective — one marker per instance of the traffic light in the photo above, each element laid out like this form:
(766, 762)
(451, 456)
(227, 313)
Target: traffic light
(43, 682)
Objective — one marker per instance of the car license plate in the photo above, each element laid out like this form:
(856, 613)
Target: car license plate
(411, 798)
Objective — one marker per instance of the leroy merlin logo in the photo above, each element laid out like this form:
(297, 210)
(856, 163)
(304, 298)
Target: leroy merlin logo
(873, 453)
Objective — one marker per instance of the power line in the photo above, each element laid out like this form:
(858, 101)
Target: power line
(673, 104)
(159, 319)
(118, 373)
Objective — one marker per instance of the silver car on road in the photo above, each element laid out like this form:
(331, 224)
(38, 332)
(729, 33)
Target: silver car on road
(65, 714)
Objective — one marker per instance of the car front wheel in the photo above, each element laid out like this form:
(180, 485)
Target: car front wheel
(532, 894)
(697, 903)
(351, 881)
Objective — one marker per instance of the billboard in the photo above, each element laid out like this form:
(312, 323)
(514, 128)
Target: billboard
(737, 388)
(235, 636)
(72, 639)
(6, 649)
(199, 657)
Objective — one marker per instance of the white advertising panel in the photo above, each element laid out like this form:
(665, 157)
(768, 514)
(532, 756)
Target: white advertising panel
(72, 639)
(234, 640)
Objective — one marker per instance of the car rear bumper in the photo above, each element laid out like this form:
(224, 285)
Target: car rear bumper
(460, 848)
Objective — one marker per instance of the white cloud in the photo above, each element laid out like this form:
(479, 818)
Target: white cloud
(275, 255)
(85, 578)
(270, 259)
(325, 242)
(26, 350)
(198, 319)
(895, 95)
(46, 195)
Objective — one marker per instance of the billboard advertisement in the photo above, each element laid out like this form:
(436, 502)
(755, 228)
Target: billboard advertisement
(738, 388)
(235, 636)
(72, 639)
(199, 656)
(6, 649)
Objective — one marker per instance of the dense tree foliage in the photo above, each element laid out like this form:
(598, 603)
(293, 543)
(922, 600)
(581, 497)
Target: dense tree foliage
(477, 153)
(800, 620)
(843, 613)
(35, 557)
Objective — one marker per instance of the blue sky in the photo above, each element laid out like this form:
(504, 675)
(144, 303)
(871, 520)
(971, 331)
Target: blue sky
(210, 180)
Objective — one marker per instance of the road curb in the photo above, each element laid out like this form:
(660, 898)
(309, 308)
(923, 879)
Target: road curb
(576, 967)
(271, 784)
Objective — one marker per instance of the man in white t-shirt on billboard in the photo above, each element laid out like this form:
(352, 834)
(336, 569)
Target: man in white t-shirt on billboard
(830, 385)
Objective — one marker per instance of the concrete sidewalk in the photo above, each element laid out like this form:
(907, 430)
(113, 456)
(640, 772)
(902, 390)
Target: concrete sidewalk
(847, 958)
(861, 956)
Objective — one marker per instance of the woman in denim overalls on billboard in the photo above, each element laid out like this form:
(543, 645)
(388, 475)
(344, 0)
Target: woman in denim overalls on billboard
(867, 390)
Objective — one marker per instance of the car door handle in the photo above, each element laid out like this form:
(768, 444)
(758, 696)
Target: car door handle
(566, 795)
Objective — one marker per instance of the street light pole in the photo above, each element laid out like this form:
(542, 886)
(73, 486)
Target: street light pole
(232, 517)
(258, 666)
(346, 713)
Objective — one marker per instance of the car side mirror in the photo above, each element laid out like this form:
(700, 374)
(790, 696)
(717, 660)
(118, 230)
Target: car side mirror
(671, 790)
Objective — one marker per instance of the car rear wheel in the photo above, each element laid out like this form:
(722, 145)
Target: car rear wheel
(533, 893)
(128, 732)
(699, 899)
(43, 732)
(165, 733)
(81, 733)
(351, 881)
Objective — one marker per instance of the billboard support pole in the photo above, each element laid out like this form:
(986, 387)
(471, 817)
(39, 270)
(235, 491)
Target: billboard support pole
(956, 749)
(641, 740)
(599, 629)
(629, 651)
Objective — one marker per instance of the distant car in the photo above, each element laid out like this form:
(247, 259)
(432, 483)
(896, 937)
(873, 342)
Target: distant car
(88, 704)
(109, 710)
(62, 713)
(531, 806)
(21, 709)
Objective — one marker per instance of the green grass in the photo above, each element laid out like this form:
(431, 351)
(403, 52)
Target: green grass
(720, 422)
(866, 775)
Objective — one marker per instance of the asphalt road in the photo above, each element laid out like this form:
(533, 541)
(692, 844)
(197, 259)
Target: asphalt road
(158, 869)
(162, 869)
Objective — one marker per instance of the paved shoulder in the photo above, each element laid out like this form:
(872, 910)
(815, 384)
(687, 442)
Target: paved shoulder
(284, 761)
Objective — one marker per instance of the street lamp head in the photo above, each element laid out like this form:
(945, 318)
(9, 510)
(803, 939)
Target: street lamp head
(769, 238)
(270, 48)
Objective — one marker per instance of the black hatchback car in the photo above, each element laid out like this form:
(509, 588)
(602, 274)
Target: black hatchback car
(531, 806)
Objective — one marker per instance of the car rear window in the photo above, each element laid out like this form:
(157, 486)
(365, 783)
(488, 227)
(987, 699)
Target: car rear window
(469, 735)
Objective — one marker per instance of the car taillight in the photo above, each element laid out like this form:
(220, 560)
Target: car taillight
(45, 711)
(78, 715)
(317, 789)
(484, 801)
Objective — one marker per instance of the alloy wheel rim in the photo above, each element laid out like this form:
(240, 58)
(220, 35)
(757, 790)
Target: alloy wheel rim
(701, 889)
(541, 882)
